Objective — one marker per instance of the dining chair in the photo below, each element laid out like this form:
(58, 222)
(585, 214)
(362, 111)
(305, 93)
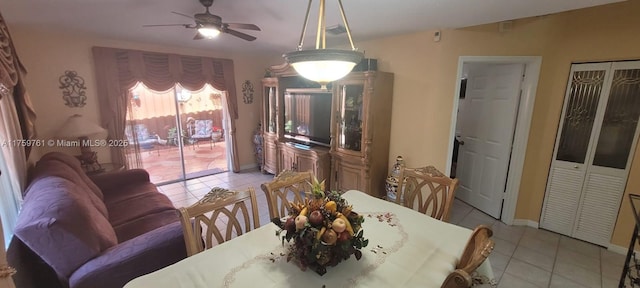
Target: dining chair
(426, 190)
(289, 186)
(476, 251)
(202, 222)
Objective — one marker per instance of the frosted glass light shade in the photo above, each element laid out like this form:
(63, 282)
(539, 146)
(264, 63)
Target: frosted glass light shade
(209, 32)
(323, 65)
(323, 71)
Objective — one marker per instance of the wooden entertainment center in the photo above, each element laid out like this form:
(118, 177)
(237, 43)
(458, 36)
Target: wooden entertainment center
(356, 155)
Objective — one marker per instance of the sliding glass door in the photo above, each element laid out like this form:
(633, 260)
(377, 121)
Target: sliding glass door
(177, 134)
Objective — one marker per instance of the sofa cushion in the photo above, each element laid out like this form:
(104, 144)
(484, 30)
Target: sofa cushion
(141, 204)
(62, 226)
(144, 224)
(126, 261)
(75, 164)
(59, 167)
(126, 192)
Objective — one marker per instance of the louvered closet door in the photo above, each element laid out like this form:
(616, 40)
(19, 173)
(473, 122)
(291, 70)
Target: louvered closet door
(568, 169)
(593, 151)
(607, 173)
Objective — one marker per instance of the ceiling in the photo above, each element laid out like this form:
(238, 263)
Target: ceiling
(280, 20)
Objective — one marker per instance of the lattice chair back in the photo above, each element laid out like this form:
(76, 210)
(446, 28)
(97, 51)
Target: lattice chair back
(287, 187)
(203, 222)
(203, 128)
(427, 190)
(141, 133)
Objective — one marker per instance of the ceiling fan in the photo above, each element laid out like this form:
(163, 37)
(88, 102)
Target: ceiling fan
(209, 25)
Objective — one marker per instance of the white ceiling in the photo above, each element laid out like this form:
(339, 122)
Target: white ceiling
(280, 20)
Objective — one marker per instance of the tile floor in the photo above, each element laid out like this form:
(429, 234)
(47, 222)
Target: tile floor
(523, 256)
(527, 257)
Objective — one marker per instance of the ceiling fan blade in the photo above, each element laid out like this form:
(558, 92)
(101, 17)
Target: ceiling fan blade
(185, 15)
(243, 26)
(160, 25)
(198, 36)
(240, 34)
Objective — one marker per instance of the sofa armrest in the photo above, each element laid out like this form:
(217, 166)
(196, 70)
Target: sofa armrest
(126, 261)
(113, 180)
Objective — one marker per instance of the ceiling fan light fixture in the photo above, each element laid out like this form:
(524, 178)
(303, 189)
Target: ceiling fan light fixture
(209, 32)
(323, 65)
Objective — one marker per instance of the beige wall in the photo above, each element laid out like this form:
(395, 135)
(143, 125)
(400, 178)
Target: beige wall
(425, 81)
(47, 54)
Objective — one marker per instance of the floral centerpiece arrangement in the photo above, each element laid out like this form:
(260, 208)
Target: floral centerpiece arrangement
(324, 230)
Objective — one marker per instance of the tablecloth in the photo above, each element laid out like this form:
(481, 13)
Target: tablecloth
(406, 249)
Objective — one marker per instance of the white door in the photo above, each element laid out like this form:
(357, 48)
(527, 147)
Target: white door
(568, 169)
(486, 134)
(593, 150)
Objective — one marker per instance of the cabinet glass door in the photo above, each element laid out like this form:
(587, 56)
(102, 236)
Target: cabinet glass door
(270, 109)
(351, 114)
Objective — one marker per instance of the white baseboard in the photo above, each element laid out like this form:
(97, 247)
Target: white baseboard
(619, 249)
(248, 166)
(533, 224)
(525, 222)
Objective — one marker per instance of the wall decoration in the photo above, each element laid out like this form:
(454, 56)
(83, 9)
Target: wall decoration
(247, 92)
(73, 89)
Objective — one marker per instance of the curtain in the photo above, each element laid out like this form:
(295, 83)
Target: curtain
(13, 166)
(11, 74)
(230, 125)
(118, 70)
(17, 121)
(5, 270)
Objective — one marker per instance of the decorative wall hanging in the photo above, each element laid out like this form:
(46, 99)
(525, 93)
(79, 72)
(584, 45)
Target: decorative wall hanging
(73, 89)
(247, 92)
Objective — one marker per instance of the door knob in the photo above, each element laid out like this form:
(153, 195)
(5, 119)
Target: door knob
(461, 142)
(575, 166)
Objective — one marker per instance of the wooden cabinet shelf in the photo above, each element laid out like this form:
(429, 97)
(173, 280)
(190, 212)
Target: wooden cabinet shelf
(360, 150)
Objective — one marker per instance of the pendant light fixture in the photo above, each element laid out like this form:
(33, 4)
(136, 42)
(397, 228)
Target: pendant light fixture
(323, 65)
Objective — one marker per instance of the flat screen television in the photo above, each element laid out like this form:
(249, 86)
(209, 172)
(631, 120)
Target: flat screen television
(307, 116)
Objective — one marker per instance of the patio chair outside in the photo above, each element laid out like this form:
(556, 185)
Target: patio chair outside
(201, 130)
(143, 139)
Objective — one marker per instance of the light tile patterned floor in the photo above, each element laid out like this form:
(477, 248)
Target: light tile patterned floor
(528, 257)
(185, 193)
(523, 256)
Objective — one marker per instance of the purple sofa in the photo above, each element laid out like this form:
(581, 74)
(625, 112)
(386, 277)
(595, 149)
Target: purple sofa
(76, 231)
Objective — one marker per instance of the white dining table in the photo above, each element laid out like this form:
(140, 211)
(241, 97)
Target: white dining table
(406, 249)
